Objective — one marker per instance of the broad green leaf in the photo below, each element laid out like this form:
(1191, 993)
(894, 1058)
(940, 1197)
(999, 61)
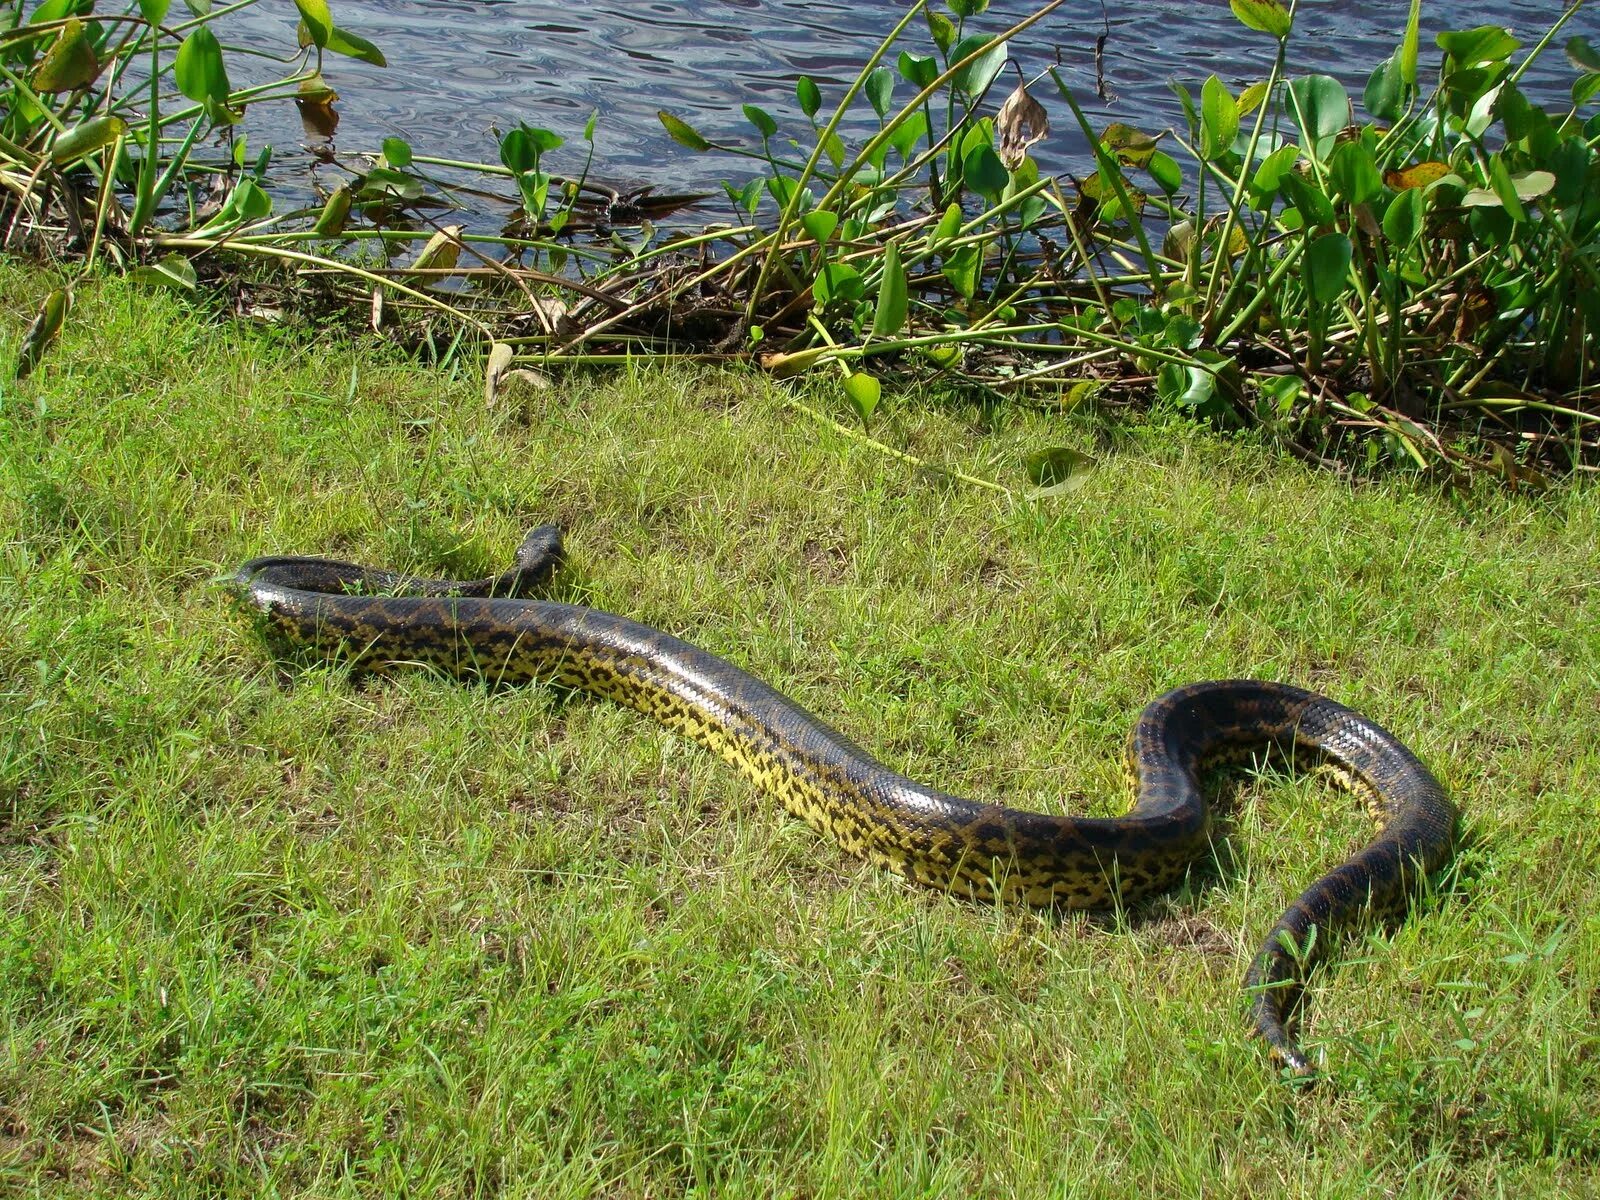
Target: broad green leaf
(1219, 119)
(917, 70)
(949, 224)
(342, 41)
(1485, 44)
(968, 8)
(908, 133)
(397, 152)
(199, 69)
(836, 281)
(318, 21)
(1058, 465)
(880, 91)
(820, 224)
(1384, 96)
(977, 75)
(69, 63)
(1164, 169)
(1328, 268)
(173, 272)
(1402, 222)
(1409, 45)
(1264, 16)
(86, 139)
(1582, 55)
(962, 269)
(1505, 188)
(1130, 146)
(1186, 387)
(1321, 109)
(1585, 88)
(984, 172)
(46, 326)
(1269, 175)
(154, 11)
(864, 392)
(1355, 174)
(942, 29)
(331, 221)
(1250, 99)
(761, 119)
(890, 315)
(806, 91)
(681, 132)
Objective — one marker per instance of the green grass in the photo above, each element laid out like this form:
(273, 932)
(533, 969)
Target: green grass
(263, 932)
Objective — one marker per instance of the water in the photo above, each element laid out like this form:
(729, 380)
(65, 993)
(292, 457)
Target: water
(460, 70)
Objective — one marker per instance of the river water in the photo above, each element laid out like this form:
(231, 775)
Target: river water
(460, 70)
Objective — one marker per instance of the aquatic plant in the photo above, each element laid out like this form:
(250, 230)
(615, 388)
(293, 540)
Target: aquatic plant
(1412, 276)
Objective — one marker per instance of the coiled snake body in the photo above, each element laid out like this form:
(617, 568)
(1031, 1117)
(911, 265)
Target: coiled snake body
(488, 629)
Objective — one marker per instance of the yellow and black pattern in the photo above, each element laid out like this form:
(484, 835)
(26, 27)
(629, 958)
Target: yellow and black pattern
(488, 629)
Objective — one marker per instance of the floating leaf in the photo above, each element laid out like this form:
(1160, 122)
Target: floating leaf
(1019, 124)
(397, 152)
(46, 327)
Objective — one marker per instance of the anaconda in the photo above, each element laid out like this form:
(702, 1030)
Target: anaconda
(492, 629)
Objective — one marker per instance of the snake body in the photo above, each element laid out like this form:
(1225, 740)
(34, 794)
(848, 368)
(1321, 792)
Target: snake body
(490, 629)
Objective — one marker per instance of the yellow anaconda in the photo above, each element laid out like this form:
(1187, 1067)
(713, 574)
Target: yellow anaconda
(487, 629)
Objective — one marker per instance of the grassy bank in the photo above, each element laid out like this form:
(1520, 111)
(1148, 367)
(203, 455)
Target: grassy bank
(263, 932)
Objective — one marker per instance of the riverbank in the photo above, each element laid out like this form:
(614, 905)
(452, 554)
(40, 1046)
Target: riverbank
(265, 931)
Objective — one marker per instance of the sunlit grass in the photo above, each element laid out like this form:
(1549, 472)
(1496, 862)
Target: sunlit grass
(265, 932)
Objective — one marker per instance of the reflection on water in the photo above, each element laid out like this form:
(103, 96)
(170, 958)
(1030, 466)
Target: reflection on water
(460, 69)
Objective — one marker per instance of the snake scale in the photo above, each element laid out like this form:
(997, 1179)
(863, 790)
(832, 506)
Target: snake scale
(491, 629)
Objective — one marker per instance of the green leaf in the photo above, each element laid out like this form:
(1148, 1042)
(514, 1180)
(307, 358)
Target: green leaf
(949, 224)
(1485, 44)
(397, 151)
(985, 173)
(1355, 173)
(1321, 109)
(342, 41)
(174, 272)
(1402, 222)
(1059, 467)
(1268, 179)
(968, 8)
(1219, 119)
(1505, 188)
(1186, 387)
(154, 11)
(864, 392)
(199, 70)
(46, 327)
(762, 120)
(1585, 88)
(86, 139)
(1328, 268)
(908, 133)
(681, 132)
(69, 63)
(917, 70)
(1582, 55)
(942, 29)
(962, 269)
(836, 281)
(318, 20)
(1385, 93)
(806, 91)
(1264, 16)
(880, 91)
(893, 303)
(331, 221)
(1164, 169)
(820, 224)
(1409, 45)
(976, 76)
